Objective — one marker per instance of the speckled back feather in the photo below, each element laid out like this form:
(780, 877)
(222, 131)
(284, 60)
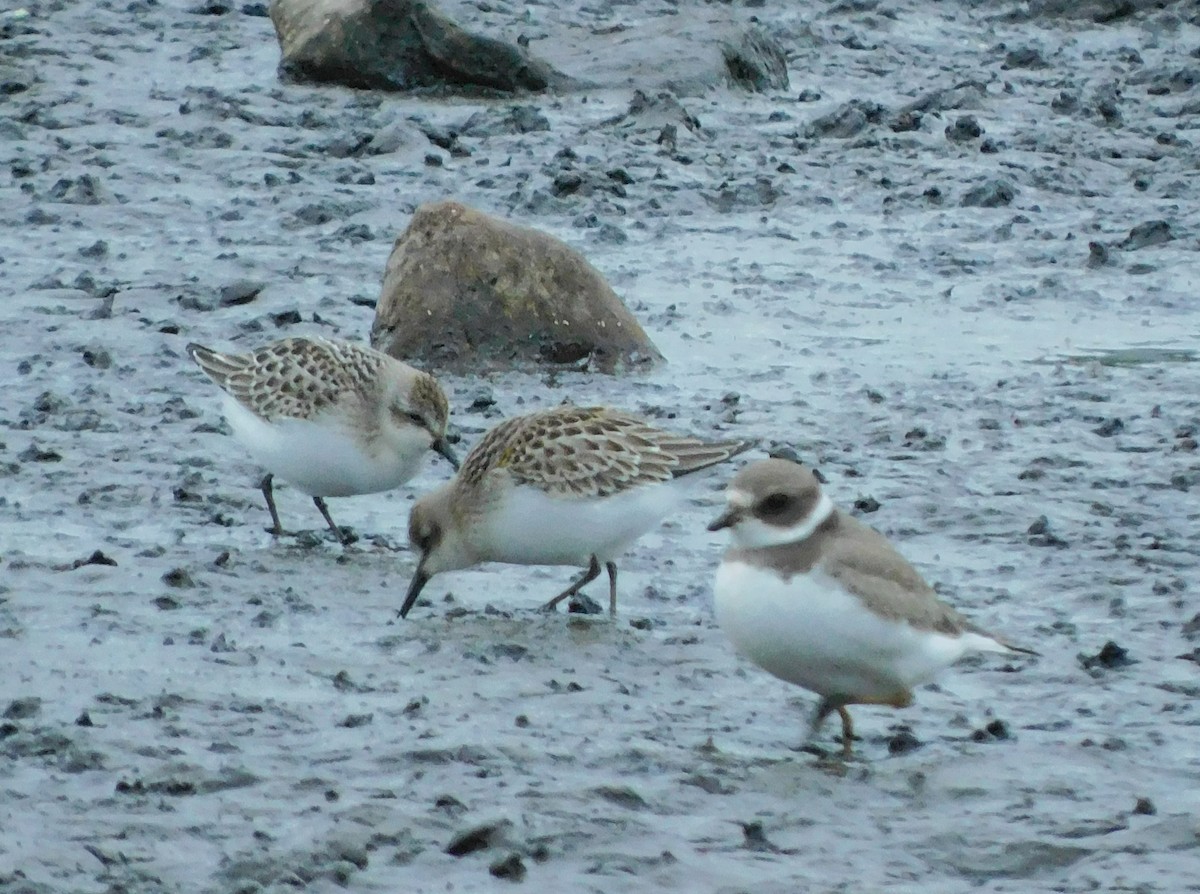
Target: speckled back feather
(294, 378)
(589, 452)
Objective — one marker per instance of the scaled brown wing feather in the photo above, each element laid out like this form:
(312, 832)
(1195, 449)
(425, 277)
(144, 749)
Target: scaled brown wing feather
(293, 378)
(579, 452)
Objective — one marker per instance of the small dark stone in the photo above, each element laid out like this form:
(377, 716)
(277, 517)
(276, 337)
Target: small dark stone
(84, 719)
(1041, 525)
(353, 721)
(286, 318)
(96, 558)
(166, 603)
(903, 741)
(867, 505)
(1144, 235)
(992, 194)
(510, 868)
(476, 839)
(784, 451)
(1024, 57)
(23, 708)
(1097, 255)
(963, 129)
(1111, 656)
(36, 454)
(242, 291)
(582, 604)
(1109, 427)
(755, 839)
(178, 577)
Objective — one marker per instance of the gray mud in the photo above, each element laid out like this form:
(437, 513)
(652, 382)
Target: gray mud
(985, 331)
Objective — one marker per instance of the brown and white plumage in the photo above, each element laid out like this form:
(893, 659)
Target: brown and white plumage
(821, 600)
(565, 486)
(333, 418)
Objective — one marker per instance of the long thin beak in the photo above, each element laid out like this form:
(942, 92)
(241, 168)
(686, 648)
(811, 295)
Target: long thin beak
(420, 579)
(726, 519)
(442, 446)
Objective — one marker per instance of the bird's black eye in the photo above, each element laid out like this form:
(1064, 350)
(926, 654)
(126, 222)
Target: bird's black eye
(774, 504)
(416, 419)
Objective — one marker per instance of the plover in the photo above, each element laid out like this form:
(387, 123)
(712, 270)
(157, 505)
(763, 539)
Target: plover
(565, 486)
(331, 417)
(819, 599)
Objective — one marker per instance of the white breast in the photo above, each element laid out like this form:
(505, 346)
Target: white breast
(529, 527)
(809, 631)
(322, 458)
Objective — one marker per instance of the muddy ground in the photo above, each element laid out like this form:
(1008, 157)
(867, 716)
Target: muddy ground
(984, 333)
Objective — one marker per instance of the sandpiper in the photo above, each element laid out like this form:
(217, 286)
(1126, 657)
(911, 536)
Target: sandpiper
(333, 418)
(565, 486)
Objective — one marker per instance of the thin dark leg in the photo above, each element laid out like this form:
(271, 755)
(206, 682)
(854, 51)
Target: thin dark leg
(269, 493)
(337, 532)
(612, 587)
(847, 731)
(593, 572)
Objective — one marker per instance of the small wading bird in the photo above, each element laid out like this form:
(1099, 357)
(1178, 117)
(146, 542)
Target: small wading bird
(565, 486)
(332, 418)
(819, 599)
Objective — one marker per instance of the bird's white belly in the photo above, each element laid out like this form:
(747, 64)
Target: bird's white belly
(323, 459)
(808, 631)
(529, 527)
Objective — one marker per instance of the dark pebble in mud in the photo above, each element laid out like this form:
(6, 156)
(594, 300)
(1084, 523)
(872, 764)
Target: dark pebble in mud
(1111, 656)
(1144, 235)
(478, 838)
(866, 505)
(755, 839)
(1109, 427)
(996, 731)
(511, 868)
(1144, 807)
(582, 604)
(23, 708)
(96, 558)
(178, 577)
(903, 741)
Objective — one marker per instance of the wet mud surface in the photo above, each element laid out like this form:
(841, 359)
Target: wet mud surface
(983, 332)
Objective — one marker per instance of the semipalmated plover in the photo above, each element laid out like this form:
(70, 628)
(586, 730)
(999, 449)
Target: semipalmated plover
(819, 599)
(331, 417)
(566, 486)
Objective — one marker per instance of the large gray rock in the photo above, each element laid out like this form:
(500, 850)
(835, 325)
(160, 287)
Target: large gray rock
(398, 45)
(464, 291)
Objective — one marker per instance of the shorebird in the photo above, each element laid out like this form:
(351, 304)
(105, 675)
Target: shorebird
(565, 486)
(819, 599)
(332, 418)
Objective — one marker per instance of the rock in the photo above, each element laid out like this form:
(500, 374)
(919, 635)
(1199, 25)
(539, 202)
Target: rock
(1152, 232)
(463, 289)
(967, 95)
(510, 868)
(992, 194)
(847, 120)
(756, 61)
(241, 291)
(398, 45)
(478, 838)
(1024, 57)
(1109, 657)
(963, 129)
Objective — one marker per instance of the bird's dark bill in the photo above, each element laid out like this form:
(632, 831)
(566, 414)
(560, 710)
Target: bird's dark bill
(420, 579)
